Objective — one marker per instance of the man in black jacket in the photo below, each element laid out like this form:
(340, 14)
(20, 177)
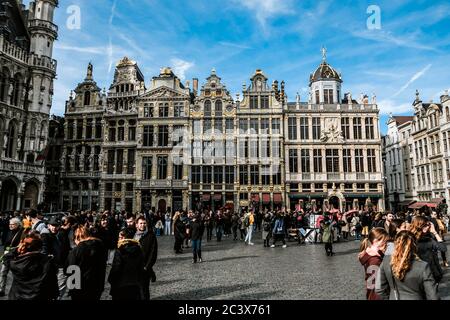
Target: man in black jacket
(197, 229)
(149, 245)
(59, 247)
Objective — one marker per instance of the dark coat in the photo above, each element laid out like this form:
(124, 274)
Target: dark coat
(149, 245)
(90, 256)
(427, 250)
(34, 278)
(107, 235)
(418, 284)
(127, 270)
(13, 238)
(58, 246)
(179, 229)
(197, 230)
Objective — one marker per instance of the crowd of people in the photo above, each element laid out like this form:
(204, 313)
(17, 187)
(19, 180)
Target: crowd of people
(39, 254)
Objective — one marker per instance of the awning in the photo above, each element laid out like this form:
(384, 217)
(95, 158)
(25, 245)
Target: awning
(436, 200)
(218, 197)
(255, 197)
(277, 198)
(406, 203)
(266, 198)
(206, 197)
(418, 205)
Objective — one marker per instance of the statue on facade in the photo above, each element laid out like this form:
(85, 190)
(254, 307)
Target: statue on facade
(349, 97)
(41, 97)
(297, 98)
(90, 70)
(19, 143)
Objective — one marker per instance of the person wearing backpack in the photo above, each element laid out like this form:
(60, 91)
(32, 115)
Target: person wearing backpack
(267, 228)
(248, 223)
(241, 225)
(279, 230)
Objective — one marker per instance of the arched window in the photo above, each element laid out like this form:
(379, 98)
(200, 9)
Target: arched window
(1, 134)
(447, 113)
(218, 108)
(43, 132)
(87, 98)
(11, 144)
(207, 108)
(4, 84)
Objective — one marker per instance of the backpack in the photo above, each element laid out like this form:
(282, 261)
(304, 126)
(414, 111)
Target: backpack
(246, 222)
(427, 254)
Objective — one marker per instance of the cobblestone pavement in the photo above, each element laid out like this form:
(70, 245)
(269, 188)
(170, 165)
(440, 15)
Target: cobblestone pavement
(233, 270)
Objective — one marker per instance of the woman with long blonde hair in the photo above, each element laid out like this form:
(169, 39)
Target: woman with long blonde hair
(403, 276)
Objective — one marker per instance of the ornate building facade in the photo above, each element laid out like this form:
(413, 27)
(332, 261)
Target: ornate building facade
(333, 147)
(26, 88)
(420, 162)
(260, 144)
(81, 161)
(212, 146)
(120, 138)
(163, 123)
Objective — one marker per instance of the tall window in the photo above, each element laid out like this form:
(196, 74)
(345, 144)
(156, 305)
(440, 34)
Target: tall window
(197, 128)
(196, 175)
(178, 171)
(218, 175)
(164, 110)
(111, 158)
(254, 150)
(264, 102)
(265, 123)
(370, 134)
(243, 126)
(148, 111)
(87, 98)
(98, 128)
(304, 129)
(132, 130)
(328, 96)
(357, 129)
(345, 124)
(130, 161)
(207, 106)
(70, 125)
(148, 136)
(162, 167)
(207, 175)
(359, 160)
(146, 168)
(119, 164)
(89, 129)
(163, 136)
(207, 126)
(316, 128)
(121, 131)
(371, 160)
(317, 161)
(265, 148)
(276, 126)
(292, 128)
(293, 161)
(178, 110)
(332, 159)
(218, 108)
(306, 162)
(230, 151)
(112, 131)
(229, 175)
(253, 102)
(347, 160)
(229, 126)
(177, 135)
(275, 148)
(254, 175)
(254, 126)
(243, 175)
(265, 175)
(80, 129)
(317, 96)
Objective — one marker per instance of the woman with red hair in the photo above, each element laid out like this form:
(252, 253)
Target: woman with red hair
(34, 273)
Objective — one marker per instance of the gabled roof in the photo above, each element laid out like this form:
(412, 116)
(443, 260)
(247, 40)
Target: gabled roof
(402, 119)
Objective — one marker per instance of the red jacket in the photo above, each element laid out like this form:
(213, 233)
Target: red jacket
(371, 266)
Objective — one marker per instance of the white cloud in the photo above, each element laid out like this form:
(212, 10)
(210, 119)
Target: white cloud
(90, 50)
(234, 45)
(390, 106)
(180, 67)
(265, 9)
(413, 79)
(388, 37)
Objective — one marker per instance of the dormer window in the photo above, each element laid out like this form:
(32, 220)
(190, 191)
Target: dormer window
(87, 98)
(218, 92)
(253, 102)
(207, 92)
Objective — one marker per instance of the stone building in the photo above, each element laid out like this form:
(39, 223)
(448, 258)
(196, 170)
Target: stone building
(120, 138)
(27, 71)
(163, 122)
(82, 160)
(260, 144)
(333, 147)
(52, 193)
(212, 146)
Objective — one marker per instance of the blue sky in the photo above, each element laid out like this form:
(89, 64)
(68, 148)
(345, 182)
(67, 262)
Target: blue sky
(283, 38)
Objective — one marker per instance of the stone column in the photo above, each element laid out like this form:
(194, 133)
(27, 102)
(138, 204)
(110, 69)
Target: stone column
(138, 201)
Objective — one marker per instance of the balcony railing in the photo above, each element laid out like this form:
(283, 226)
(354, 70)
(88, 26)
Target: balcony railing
(13, 51)
(18, 166)
(334, 176)
(37, 23)
(123, 94)
(42, 61)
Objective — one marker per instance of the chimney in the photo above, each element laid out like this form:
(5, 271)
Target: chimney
(195, 85)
